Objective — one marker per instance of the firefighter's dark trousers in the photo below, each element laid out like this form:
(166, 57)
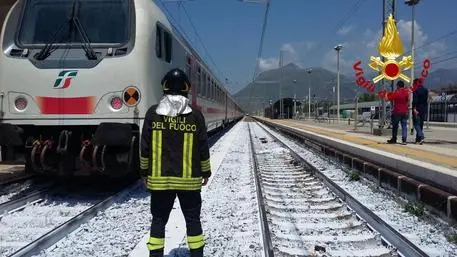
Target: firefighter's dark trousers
(161, 206)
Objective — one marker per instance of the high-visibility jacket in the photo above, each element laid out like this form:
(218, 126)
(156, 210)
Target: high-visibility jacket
(174, 151)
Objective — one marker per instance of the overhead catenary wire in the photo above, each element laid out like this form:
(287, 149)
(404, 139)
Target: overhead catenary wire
(418, 63)
(177, 25)
(433, 41)
(181, 30)
(259, 53)
(349, 14)
(343, 21)
(201, 42)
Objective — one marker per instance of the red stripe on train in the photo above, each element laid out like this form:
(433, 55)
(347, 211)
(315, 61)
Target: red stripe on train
(72, 105)
(214, 110)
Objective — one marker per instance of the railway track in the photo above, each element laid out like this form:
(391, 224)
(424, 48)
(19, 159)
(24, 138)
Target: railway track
(21, 189)
(6, 181)
(304, 213)
(35, 222)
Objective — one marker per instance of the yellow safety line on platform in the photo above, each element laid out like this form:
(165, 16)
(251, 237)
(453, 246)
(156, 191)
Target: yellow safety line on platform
(421, 155)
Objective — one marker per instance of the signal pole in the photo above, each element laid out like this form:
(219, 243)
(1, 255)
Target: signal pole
(389, 7)
(411, 3)
(280, 85)
(338, 49)
(309, 92)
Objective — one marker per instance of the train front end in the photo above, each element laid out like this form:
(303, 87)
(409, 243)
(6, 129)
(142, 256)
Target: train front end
(69, 94)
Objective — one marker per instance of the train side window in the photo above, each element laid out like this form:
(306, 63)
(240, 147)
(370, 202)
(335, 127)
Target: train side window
(159, 41)
(199, 77)
(205, 85)
(222, 96)
(213, 91)
(168, 46)
(218, 94)
(208, 87)
(201, 89)
(189, 67)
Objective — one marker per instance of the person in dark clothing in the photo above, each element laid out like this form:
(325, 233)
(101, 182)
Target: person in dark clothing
(174, 161)
(400, 101)
(420, 102)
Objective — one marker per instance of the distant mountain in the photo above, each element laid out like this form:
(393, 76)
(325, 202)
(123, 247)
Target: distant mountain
(441, 78)
(320, 80)
(266, 87)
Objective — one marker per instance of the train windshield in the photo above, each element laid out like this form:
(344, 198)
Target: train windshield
(49, 21)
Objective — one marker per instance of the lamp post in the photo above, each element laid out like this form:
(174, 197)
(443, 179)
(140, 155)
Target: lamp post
(295, 100)
(411, 3)
(338, 49)
(309, 92)
(281, 107)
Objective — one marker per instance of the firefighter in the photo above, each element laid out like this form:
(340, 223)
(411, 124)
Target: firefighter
(174, 161)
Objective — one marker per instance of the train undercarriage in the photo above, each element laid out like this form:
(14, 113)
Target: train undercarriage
(108, 149)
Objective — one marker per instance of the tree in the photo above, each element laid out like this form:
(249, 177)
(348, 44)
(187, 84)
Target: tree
(366, 97)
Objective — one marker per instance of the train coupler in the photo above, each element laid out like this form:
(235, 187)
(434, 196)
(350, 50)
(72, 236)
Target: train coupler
(64, 138)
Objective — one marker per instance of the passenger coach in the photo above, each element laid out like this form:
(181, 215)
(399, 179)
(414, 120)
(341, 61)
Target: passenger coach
(77, 77)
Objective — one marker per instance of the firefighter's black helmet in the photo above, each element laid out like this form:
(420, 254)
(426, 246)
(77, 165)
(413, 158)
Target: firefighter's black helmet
(176, 82)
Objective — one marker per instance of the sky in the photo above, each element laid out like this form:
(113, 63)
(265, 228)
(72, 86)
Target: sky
(226, 33)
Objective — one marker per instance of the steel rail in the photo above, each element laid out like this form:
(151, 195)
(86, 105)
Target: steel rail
(16, 179)
(388, 233)
(267, 243)
(23, 201)
(56, 234)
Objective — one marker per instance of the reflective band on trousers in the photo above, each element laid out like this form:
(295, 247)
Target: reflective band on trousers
(155, 243)
(195, 242)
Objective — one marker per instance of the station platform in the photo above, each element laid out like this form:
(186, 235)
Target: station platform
(7, 169)
(434, 161)
(439, 148)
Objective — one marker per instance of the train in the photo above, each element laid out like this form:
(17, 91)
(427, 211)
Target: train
(77, 78)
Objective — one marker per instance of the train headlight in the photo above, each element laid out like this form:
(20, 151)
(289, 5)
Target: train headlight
(116, 103)
(20, 103)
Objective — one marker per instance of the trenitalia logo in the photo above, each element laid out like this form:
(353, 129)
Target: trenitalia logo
(64, 79)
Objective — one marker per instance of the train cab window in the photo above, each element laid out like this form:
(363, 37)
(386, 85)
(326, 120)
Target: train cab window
(104, 22)
(159, 42)
(168, 46)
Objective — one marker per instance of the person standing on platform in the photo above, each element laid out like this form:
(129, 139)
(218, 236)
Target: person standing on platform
(420, 102)
(174, 161)
(400, 102)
